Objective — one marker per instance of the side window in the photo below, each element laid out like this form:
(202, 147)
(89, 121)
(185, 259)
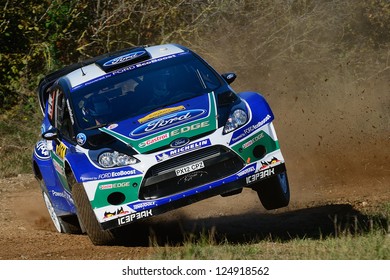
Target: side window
(62, 117)
(50, 106)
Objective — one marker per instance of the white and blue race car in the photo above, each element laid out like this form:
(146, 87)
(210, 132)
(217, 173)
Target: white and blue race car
(138, 132)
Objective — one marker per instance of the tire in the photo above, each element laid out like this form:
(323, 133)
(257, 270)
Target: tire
(274, 192)
(68, 224)
(87, 216)
(65, 224)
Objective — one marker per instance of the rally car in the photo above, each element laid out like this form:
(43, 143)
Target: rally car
(131, 134)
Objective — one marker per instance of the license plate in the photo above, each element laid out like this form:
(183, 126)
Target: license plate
(189, 168)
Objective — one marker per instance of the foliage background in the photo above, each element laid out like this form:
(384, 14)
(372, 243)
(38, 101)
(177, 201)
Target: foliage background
(292, 50)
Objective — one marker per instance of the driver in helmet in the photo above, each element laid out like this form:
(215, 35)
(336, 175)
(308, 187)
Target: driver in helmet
(156, 87)
(96, 110)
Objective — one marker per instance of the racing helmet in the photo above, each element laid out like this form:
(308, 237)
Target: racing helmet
(161, 83)
(97, 107)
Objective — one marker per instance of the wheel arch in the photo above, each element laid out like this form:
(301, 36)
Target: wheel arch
(258, 101)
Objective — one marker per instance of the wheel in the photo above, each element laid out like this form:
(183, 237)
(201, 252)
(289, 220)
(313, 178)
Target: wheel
(87, 217)
(274, 192)
(68, 224)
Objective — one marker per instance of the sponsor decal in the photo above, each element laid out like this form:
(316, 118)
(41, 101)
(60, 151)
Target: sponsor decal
(182, 150)
(122, 70)
(135, 216)
(180, 142)
(153, 140)
(62, 194)
(70, 111)
(253, 140)
(167, 121)
(114, 185)
(246, 171)
(143, 205)
(58, 168)
(160, 113)
(85, 178)
(185, 129)
(265, 164)
(41, 150)
(114, 174)
(61, 150)
(260, 175)
(192, 176)
(119, 211)
(81, 138)
(155, 60)
(235, 139)
(112, 126)
(124, 58)
(50, 103)
(256, 126)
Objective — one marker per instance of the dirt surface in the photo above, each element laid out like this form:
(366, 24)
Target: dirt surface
(334, 132)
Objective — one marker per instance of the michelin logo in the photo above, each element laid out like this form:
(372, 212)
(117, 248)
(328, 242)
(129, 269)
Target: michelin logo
(184, 149)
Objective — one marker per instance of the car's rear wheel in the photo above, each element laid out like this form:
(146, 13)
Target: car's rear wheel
(67, 224)
(274, 192)
(87, 216)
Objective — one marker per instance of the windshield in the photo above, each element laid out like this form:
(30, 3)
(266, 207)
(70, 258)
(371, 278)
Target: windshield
(139, 89)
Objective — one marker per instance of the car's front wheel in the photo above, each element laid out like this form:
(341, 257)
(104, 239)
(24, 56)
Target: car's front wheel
(274, 192)
(87, 216)
(62, 224)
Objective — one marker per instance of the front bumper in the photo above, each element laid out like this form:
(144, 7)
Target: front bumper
(147, 208)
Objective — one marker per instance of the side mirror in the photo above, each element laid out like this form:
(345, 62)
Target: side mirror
(229, 77)
(51, 134)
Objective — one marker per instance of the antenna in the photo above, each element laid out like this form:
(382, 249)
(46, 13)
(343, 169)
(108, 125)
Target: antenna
(82, 71)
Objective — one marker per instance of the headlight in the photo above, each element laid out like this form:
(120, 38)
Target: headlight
(236, 119)
(111, 159)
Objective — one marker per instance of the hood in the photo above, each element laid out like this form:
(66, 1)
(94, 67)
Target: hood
(161, 127)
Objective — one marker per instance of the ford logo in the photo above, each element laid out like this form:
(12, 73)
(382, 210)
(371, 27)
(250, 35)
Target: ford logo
(168, 121)
(41, 150)
(180, 142)
(124, 58)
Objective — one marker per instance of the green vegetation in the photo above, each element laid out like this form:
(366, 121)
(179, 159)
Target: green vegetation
(352, 240)
(245, 36)
(371, 246)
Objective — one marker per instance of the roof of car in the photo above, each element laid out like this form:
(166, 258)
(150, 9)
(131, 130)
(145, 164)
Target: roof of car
(103, 66)
(99, 66)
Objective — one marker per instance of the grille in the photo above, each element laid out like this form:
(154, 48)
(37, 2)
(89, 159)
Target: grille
(161, 180)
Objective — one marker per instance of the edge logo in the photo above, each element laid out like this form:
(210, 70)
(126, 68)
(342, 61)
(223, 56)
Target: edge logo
(124, 58)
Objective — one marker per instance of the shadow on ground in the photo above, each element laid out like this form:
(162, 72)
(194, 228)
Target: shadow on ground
(311, 223)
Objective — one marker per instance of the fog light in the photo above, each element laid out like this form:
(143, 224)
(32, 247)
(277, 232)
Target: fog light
(116, 198)
(259, 151)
